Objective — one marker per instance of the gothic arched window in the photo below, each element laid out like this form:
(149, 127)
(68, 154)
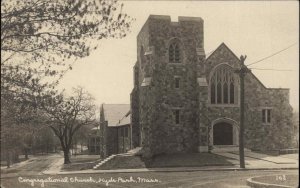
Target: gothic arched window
(175, 52)
(223, 86)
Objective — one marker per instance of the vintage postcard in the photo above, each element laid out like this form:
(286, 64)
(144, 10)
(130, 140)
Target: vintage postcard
(176, 94)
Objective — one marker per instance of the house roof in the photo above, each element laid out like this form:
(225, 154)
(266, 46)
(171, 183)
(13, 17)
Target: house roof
(222, 45)
(114, 113)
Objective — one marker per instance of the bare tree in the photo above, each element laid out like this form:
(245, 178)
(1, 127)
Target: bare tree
(40, 41)
(67, 114)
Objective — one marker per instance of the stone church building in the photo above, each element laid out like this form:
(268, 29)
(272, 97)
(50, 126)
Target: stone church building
(183, 101)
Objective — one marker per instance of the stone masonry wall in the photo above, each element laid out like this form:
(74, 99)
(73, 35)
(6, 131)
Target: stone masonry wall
(258, 135)
(209, 113)
(158, 101)
(134, 105)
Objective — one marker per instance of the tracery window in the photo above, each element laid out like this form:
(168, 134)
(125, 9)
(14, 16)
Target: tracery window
(223, 86)
(175, 52)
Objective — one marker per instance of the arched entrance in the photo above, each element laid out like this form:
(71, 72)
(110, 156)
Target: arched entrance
(223, 134)
(224, 131)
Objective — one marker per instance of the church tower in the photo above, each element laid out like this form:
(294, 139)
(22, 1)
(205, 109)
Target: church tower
(164, 100)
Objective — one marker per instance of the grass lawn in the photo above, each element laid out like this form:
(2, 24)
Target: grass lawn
(84, 158)
(188, 160)
(167, 160)
(124, 162)
(78, 166)
(81, 162)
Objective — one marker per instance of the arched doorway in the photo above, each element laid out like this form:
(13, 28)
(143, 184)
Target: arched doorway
(222, 128)
(223, 134)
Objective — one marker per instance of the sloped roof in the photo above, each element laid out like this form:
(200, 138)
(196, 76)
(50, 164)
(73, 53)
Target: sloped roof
(113, 113)
(224, 46)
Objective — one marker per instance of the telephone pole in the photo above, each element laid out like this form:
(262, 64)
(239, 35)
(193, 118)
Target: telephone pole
(242, 73)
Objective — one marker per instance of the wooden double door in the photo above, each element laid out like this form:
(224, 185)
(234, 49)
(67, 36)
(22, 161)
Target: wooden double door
(223, 134)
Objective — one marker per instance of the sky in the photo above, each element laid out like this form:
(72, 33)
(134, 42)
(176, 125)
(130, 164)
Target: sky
(254, 28)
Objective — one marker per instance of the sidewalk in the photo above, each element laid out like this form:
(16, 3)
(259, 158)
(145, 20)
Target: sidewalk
(257, 160)
(55, 167)
(274, 159)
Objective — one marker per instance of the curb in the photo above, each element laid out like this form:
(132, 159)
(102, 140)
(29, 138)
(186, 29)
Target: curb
(160, 170)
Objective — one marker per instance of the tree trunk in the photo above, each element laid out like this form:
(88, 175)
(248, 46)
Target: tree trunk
(67, 156)
(8, 159)
(75, 147)
(26, 153)
(33, 150)
(15, 157)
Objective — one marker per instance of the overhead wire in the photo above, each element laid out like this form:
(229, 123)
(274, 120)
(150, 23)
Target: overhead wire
(273, 54)
(271, 69)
